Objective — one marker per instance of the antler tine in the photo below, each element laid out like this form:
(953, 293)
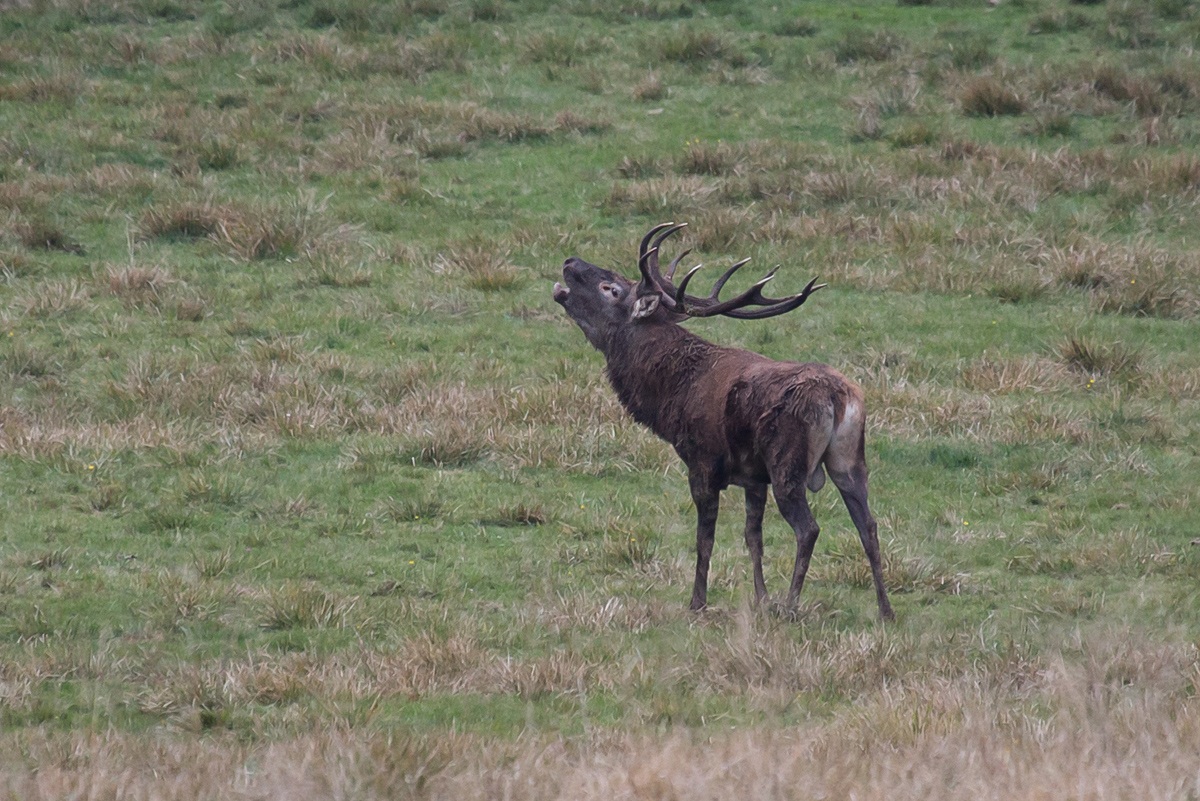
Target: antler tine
(675, 264)
(720, 284)
(648, 256)
(680, 298)
(650, 235)
(734, 307)
(713, 297)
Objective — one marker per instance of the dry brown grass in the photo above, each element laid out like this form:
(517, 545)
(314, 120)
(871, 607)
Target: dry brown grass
(59, 87)
(990, 97)
(650, 88)
(478, 264)
(784, 196)
(1112, 717)
(138, 286)
(298, 228)
(185, 219)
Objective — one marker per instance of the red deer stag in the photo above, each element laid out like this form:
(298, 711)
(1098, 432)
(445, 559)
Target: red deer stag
(733, 416)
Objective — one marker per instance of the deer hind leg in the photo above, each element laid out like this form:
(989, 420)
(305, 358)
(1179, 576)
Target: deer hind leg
(852, 484)
(756, 503)
(793, 505)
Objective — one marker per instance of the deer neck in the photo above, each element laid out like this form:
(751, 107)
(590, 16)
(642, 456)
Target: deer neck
(654, 370)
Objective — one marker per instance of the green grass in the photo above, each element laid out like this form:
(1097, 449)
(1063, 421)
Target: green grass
(297, 455)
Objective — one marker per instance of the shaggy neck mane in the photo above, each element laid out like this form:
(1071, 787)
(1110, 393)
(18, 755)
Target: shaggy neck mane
(653, 368)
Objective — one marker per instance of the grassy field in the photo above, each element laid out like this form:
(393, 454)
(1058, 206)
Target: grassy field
(309, 490)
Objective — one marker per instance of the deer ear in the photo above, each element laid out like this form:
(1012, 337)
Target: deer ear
(644, 306)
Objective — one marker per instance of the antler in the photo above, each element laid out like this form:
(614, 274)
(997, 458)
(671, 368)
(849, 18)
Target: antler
(652, 279)
(711, 306)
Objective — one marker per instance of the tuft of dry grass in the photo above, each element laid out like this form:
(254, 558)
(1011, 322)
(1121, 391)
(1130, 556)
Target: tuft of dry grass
(25, 361)
(694, 46)
(479, 264)
(336, 271)
(636, 167)
(650, 88)
(657, 196)
(298, 228)
(1137, 279)
(297, 606)
(59, 87)
(519, 514)
(705, 158)
(858, 45)
(551, 47)
(988, 96)
(175, 602)
(1094, 358)
(138, 286)
(44, 235)
(55, 299)
(629, 547)
(195, 219)
(998, 376)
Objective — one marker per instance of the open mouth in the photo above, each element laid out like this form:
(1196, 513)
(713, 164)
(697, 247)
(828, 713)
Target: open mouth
(560, 292)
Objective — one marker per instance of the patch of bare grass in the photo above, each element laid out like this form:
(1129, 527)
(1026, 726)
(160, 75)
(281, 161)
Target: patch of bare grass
(1125, 552)
(414, 59)
(904, 573)
(1116, 730)
(425, 123)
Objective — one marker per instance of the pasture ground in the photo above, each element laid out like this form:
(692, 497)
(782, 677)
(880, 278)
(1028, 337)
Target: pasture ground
(308, 490)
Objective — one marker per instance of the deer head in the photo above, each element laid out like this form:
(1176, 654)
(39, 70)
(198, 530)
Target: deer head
(603, 303)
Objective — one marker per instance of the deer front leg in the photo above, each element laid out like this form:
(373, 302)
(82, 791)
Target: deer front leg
(756, 503)
(708, 502)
